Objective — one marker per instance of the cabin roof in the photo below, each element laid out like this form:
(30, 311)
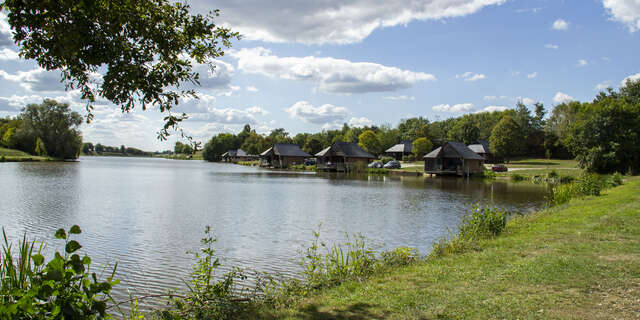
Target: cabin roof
(236, 153)
(289, 150)
(481, 146)
(345, 149)
(404, 147)
(460, 148)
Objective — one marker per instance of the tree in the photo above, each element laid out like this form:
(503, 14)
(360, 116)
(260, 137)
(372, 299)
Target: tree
(465, 130)
(420, 147)
(413, 128)
(177, 148)
(506, 138)
(87, 147)
(218, 145)
(313, 145)
(143, 48)
(606, 136)
(56, 125)
(123, 149)
(9, 138)
(369, 142)
(99, 148)
(40, 150)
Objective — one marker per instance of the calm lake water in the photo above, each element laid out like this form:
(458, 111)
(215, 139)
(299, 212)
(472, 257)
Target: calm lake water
(146, 213)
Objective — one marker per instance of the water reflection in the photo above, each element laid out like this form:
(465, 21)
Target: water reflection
(145, 213)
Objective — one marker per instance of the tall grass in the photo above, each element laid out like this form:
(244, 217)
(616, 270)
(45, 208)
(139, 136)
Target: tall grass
(588, 184)
(479, 224)
(16, 270)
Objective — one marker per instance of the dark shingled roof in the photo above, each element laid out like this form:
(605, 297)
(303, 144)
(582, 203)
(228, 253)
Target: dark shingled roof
(404, 147)
(289, 150)
(345, 149)
(460, 148)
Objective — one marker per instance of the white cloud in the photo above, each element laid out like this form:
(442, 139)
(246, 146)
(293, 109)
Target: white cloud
(360, 122)
(526, 101)
(603, 85)
(583, 63)
(532, 75)
(412, 98)
(462, 107)
(6, 39)
(560, 25)
(303, 110)
(552, 46)
(624, 11)
(36, 80)
(532, 10)
(15, 103)
(218, 78)
(470, 76)
(633, 77)
(332, 21)
(561, 97)
(257, 110)
(227, 116)
(492, 98)
(8, 54)
(493, 108)
(329, 74)
(252, 89)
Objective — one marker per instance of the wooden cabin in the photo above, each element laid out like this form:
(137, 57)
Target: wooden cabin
(453, 158)
(400, 150)
(342, 157)
(481, 147)
(283, 155)
(235, 155)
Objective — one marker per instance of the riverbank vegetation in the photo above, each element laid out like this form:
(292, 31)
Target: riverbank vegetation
(48, 131)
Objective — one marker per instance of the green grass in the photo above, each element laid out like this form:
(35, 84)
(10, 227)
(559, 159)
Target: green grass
(539, 163)
(580, 260)
(12, 155)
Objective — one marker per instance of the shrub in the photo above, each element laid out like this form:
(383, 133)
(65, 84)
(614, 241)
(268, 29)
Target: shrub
(409, 158)
(480, 224)
(378, 171)
(517, 177)
(62, 288)
(615, 180)
(588, 184)
(386, 159)
(487, 174)
(401, 256)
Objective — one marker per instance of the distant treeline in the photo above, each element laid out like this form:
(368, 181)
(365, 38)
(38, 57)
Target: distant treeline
(88, 148)
(603, 135)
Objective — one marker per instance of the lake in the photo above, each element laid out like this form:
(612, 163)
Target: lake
(145, 213)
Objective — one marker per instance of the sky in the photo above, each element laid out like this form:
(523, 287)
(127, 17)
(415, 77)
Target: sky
(311, 65)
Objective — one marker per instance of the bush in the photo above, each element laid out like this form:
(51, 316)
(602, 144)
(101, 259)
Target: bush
(487, 174)
(62, 288)
(386, 159)
(378, 171)
(517, 177)
(588, 184)
(480, 224)
(409, 158)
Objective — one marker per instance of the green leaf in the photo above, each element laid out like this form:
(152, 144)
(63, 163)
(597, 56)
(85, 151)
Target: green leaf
(38, 259)
(61, 234)
(86, 260)
(76, 264)
(72, 246)
(75, 229)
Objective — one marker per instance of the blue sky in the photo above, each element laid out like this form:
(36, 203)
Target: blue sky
(317, 64)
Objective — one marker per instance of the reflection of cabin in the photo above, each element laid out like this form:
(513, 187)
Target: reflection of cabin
(236, 155)
(453, 158)
(283, 155)
(400, 150)
(342, 156)
(481, 147)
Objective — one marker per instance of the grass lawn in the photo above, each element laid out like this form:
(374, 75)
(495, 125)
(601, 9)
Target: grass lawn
(580, 260)
(542, 163)
(12, 155)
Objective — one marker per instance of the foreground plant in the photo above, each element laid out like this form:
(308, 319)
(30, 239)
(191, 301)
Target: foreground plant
(62, 288)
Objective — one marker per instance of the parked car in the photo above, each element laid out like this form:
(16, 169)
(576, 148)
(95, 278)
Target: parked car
(309, 162)
(393, 164)
(376, 164)
(499, 168)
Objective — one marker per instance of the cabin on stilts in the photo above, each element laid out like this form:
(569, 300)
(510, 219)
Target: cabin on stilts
(343, 157)
(283, 155)
(453, 158)
(400, 150)
(481, 147)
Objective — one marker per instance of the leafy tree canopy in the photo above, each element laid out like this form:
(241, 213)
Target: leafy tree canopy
(506, 138)
(420, 147)
(144, 49)
(369, 142)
